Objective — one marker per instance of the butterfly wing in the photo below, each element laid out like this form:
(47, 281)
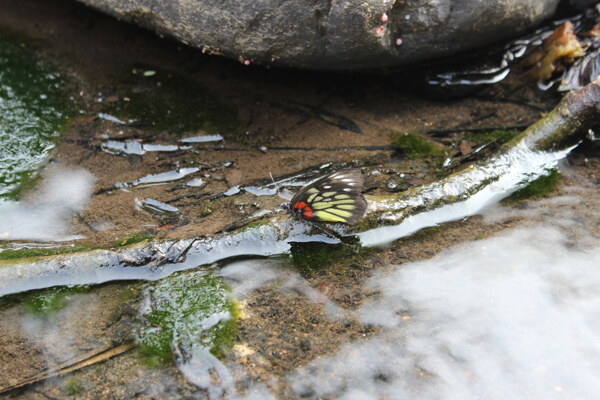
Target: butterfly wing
(334, 198)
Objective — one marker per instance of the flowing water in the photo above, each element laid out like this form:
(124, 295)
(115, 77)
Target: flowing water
(512, 315)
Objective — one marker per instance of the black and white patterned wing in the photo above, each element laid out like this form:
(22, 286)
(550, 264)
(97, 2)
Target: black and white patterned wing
(334, 198)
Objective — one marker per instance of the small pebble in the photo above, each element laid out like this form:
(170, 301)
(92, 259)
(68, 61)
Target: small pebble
(276, 354)
(305, 345)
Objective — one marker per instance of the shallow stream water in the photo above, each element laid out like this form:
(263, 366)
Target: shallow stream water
(123, 268)
(33, 109)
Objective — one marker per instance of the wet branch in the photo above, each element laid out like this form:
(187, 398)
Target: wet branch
(538, 147)
(576, 113)
(91, 358)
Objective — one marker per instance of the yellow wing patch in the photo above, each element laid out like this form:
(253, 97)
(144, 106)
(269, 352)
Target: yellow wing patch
(326, 216)
(349, 201)
(320, 205)
(341, 213)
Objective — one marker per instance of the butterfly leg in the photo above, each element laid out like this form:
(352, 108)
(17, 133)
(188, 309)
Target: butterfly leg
(348, 240)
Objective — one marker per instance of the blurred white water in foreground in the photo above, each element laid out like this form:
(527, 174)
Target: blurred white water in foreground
(46, 215)
(514, 316)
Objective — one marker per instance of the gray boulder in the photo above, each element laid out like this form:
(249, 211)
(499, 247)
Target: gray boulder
(333, 34)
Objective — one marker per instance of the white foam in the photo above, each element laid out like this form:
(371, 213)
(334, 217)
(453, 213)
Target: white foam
(46, 217)
(516, 316)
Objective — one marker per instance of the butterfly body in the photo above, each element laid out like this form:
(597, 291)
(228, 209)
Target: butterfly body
(334, 198)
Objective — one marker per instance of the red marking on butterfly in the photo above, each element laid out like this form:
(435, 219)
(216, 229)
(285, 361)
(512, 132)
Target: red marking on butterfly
(308, 214)
(300, 205)
(306, 211)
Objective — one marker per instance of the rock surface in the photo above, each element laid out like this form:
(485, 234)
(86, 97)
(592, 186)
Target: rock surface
(333, 35)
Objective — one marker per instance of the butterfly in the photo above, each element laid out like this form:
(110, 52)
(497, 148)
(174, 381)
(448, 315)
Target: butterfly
(333, 198)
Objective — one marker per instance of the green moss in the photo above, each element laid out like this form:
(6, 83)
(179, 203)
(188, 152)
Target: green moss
(73, 387)
(13, 254)
(49, 301)
(169, 102)
(253, 225)
(500, 136)
(416, 146)
(227, 332)
(368, 222)
(34, 109)
(540, 187)
(228, 202)
(133, 239)
(205, 208)
(130, 293)
(311, 256)
(190, 311)
(427, 231)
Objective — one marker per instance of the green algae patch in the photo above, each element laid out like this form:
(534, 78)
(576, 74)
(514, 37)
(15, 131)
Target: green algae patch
(370, 221)
(33, 252)
(167, 102)
(313, 256)
(34, 109)
(540, 187)
(205, 208)
(184, 313)
(49, 301)
(73, 386)
(500, 136)
(253, 225)
(427, 232)
(134, 238)
(415, 146)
